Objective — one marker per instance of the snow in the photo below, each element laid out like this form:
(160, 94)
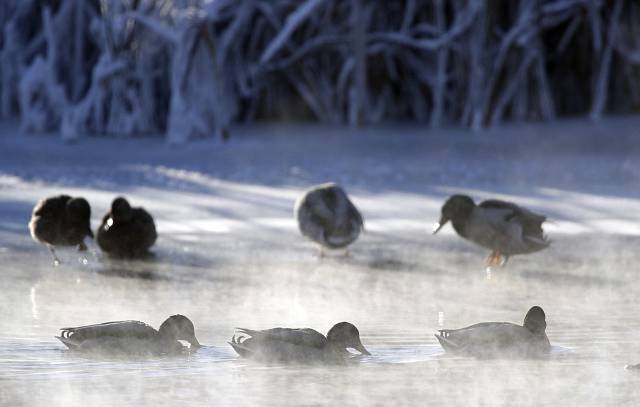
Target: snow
(580, 182)
(186, 70)
(229, 254)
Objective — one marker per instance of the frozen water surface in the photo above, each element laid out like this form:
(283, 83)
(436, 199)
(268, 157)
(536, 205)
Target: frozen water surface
(229, 255)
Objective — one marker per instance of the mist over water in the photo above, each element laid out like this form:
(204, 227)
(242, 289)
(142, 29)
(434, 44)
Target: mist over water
(229, 256)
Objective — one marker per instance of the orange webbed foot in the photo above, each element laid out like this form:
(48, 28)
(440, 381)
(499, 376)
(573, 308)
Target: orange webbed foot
(495, 259)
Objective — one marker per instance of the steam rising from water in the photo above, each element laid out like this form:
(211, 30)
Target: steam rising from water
(229, 255)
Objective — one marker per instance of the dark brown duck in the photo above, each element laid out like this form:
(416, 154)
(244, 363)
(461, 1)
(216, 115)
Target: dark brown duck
(133, 338)
(503, 227)
(301, 345)
(61, 221)
(326, 215)
(500, 339)
(126, 232)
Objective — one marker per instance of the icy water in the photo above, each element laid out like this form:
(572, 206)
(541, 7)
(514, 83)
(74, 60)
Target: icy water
(229, 256)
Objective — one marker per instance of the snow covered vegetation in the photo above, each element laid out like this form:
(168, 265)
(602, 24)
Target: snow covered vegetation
(188, 68)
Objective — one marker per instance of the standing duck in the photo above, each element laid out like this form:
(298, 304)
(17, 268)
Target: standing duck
(504, 227)
(299, 345)
(500, 339)
(126, 232)
(132, 337)
(61, 221)
(327, 216)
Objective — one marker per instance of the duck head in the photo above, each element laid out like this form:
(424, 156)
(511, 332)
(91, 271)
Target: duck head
(456, 208)
(345, 335)
(535, 321)
(179, 328)
(79, 213)
(121, 210)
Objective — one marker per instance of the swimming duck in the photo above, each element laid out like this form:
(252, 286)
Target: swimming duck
(327, 216)
(491, 339)
(61, 221)
(299, 345)
(504, 227)
(125, 231)
(132, 337)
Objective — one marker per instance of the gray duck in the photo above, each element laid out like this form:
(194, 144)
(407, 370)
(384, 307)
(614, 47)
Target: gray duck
(503, 227)
(500, 339)
(327, 216)
(299, 345)
(132, 338)
(126, 232)
(61, 221)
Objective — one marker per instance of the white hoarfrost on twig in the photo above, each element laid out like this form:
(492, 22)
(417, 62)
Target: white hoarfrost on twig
(187, 69)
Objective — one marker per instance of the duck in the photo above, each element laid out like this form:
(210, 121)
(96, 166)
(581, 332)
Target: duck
(126, 232)
(326, 216)
(61, 221)
(503, 227)
(299, 345)
(132, 338)
(500, 339)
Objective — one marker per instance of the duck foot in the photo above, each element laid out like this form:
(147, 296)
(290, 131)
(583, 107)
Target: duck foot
(56, 260)
(495, 259)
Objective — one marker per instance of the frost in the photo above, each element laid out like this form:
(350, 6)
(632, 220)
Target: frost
(188, 69)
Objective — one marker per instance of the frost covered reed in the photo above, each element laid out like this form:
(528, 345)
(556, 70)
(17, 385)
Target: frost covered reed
(188, 68)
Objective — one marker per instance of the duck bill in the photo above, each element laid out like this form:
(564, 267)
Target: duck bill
(360, 348)
(443, 221)
(194, 344)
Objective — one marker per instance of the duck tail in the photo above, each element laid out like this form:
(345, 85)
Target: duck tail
(71, 345)
(240, 348)
(535, 243)
(446, 344)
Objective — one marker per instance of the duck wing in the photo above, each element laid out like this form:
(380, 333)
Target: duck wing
(125, 347)
(146, 228)
(319, 209)
(347, 221)
(296, 336)
(355, 215)
(285, 345)
(531, 222)
(314, 216)
(73, 337)
(487, 339)
(521, 228)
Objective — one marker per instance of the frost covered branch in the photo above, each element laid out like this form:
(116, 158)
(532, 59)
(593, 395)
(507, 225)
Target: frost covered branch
(189, 68)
